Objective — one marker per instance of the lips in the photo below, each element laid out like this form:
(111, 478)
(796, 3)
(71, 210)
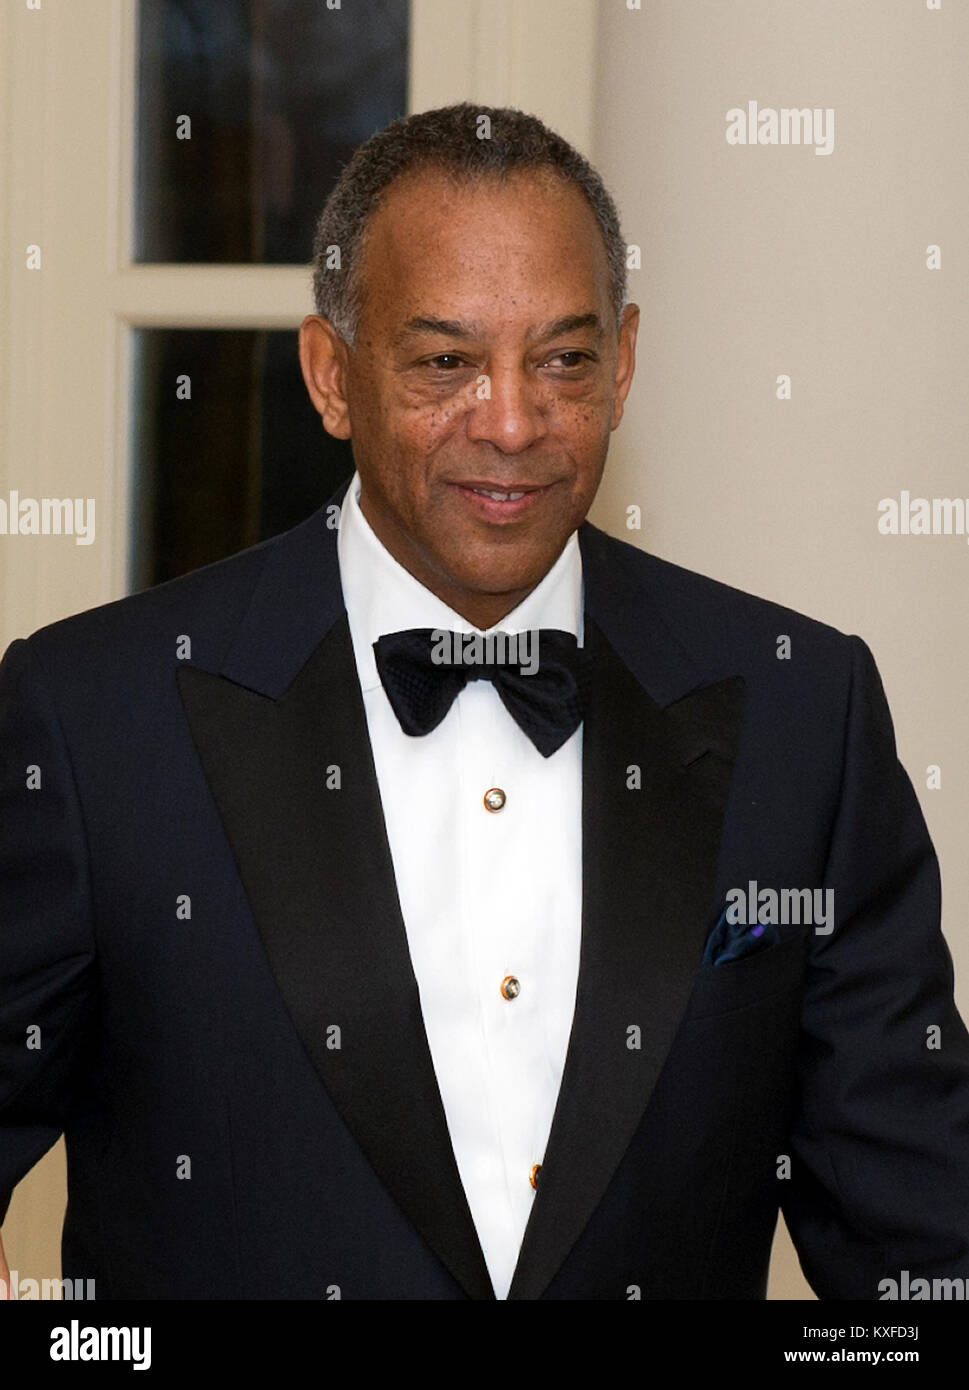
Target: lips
(494, 501)
(499, 496)
(500, 492)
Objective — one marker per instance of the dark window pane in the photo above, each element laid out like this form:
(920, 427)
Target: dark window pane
(280, 93)
(245, 457)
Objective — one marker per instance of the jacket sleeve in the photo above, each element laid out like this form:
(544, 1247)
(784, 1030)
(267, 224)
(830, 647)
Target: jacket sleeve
(47, 970)
(880, 1144)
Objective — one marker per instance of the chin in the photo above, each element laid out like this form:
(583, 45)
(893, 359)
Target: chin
(496, 573)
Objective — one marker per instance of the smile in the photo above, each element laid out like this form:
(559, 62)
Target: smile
(501, 504)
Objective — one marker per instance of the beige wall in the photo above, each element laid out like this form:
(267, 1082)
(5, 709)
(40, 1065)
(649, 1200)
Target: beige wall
(763, 260)
(757, 261)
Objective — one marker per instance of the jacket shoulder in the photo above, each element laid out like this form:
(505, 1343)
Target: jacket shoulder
(206, 605)
(708, 616)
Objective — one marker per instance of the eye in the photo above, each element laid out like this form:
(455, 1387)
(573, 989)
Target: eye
(445, 361)
(578, 358)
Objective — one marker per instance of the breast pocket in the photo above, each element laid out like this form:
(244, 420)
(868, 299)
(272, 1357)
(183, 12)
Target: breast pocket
(739, 983)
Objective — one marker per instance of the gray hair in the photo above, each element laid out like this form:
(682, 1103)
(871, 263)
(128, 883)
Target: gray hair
(448, 139)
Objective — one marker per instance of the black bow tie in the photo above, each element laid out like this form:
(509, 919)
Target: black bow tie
(542, 678)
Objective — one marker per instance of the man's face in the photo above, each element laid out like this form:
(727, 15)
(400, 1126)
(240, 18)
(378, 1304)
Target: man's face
(486, 360)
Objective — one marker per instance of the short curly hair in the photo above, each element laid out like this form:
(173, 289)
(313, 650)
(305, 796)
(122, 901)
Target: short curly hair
(448, 138)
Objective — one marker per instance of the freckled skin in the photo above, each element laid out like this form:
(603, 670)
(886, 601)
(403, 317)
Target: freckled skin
(505, 258)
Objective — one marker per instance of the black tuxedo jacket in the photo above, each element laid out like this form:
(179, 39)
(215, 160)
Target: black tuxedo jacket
(206, 983)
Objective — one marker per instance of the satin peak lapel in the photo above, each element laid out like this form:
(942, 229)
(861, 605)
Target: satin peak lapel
(289, 763)
(656, 772)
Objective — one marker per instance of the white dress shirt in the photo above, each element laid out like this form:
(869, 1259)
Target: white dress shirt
(484, 895)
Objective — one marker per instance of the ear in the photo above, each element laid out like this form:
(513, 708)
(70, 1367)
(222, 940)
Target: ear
(625, 361)
(323, 360)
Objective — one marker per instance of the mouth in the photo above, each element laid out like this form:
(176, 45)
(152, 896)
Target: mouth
(501, 502)
(497, 496)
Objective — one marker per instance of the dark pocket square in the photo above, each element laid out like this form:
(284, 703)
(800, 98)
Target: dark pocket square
(732, 940)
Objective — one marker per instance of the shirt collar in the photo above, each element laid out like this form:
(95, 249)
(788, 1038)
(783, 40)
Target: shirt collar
(381, 596)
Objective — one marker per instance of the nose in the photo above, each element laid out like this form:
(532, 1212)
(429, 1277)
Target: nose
(509, 410)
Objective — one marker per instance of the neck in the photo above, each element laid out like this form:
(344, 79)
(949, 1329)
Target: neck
(483, 610)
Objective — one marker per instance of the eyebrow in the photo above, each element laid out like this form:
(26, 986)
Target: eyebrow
(454, 328)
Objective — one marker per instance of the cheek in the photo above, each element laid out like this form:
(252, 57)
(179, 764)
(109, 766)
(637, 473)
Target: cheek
(582, 403)
(584, 427)
(420, 430)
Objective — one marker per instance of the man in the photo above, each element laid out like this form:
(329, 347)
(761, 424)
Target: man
(369, 961)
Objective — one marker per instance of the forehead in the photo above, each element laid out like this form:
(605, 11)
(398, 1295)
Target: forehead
(529, 237)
